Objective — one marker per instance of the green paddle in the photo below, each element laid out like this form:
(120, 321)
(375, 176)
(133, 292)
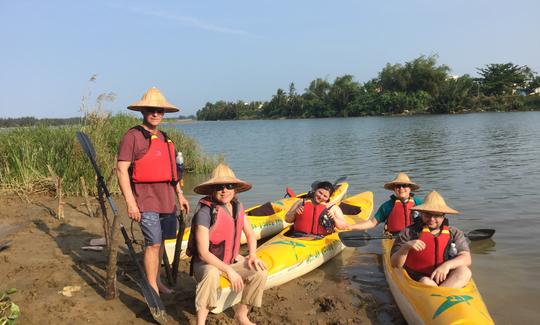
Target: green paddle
(358, 238)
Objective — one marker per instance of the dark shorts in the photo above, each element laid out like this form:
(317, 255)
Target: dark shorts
(416, 276)
(157, 227)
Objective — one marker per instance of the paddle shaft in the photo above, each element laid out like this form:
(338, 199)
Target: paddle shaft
(152, 298)
(178, 246)
(357, 239)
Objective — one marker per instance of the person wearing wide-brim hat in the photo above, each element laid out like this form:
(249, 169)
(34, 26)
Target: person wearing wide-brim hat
(214, 243)
(431, 251)
(396, 212)
(149, 181)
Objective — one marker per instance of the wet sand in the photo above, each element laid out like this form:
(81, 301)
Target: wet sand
(45, 256)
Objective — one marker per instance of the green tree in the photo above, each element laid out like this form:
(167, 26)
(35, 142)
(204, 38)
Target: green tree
(502, 78)
(342, 94)
(420, 74)
(454, 95)
(316, 99)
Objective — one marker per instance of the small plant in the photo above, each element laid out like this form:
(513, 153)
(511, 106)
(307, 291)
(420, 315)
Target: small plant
(9, 311)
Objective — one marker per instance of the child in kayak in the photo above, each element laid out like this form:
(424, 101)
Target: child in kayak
(214, 245)
(396, 212)
(314, 218)
(431, 251)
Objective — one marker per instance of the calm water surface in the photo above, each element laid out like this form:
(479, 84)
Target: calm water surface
(485, 165)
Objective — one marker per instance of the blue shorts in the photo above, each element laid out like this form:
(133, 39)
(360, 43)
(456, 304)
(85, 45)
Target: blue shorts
(157, 227)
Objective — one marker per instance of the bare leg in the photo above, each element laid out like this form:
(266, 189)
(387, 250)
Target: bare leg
(241, 315)
(202, 314)
(151, 265)
(458, 278)
(427, 281)
(162, 287)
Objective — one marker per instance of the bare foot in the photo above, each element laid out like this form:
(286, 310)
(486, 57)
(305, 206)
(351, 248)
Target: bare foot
(244, 320)
(163, 288)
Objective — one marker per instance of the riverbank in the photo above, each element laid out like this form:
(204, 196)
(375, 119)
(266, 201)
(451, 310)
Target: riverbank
(45, 256)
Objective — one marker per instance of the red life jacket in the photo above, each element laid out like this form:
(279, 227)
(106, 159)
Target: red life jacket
(433, 255)
(224, 232)
(158, 163)
(309, 221)
(400, 216)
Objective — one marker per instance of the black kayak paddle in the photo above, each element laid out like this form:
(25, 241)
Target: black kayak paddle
(359, 238)
(157, 309)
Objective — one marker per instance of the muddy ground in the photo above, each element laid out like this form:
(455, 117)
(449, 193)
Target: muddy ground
(45, 256)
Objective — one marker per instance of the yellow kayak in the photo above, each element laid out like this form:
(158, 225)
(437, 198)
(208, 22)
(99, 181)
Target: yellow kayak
(266, 219)
(421, 304)
(288, 258)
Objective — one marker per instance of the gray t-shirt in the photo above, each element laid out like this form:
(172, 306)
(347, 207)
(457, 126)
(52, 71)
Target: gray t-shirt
(202, 217)
(456, 236)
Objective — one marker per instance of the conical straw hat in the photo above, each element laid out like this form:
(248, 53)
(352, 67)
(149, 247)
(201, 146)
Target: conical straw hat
(401, 178)
(434, 202)
(222, 174)
(155, 99)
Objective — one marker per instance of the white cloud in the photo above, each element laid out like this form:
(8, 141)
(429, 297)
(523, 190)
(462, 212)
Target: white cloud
(184, 20)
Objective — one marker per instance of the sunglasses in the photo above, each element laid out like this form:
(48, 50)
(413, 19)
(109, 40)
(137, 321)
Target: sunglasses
(402, 185)
(154, 110)
(220, 187)
(432, 215)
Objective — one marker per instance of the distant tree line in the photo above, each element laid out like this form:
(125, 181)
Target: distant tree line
(416, 87)
(31, 121)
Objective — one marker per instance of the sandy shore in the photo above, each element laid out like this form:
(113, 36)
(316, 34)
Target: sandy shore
(45, 256)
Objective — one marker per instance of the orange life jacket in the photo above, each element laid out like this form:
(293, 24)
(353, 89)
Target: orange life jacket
(309, 221)
(158, 163)
(400, 216)
(435, 253)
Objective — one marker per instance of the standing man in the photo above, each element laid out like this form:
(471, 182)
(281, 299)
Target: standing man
(147, 176)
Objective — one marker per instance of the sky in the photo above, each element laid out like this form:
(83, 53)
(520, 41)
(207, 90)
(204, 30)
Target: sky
(204, 51)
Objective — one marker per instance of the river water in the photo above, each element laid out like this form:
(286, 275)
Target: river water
(485, 165)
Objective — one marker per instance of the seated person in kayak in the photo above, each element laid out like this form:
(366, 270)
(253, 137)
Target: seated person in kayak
(431, 251)
(396, 212)
(313, 217)
(214, 245)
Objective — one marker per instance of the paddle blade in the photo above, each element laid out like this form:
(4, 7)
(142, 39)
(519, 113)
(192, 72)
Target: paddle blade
(354, 238)
(289, 192)
(480, 234)
(340, 180)
(86, 144)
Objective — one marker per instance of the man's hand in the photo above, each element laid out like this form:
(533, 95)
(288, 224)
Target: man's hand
(133, 211)
(184, 204)
(416, 244)
(440, 273)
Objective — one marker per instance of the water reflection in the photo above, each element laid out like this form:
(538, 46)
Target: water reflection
(485, 165)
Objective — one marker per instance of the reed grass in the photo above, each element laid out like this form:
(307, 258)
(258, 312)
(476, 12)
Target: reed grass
(25, 153)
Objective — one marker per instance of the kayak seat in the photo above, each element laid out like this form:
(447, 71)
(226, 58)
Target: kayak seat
(301, 235)
(264, 210)
(350, 209)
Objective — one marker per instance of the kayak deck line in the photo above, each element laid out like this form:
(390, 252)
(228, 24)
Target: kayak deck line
(423, 304)
(287, 258)
(263, 226)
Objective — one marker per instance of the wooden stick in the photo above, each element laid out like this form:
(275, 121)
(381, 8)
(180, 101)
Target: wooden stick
(58, 185)
(86, 198)
(60, 211)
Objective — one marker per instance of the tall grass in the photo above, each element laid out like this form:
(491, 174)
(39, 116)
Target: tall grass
(25, 153)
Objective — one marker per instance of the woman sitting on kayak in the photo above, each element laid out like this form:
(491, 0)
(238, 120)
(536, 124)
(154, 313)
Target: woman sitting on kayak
(313, 218)
(214, 244)
(431, 251)
(396, 212)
